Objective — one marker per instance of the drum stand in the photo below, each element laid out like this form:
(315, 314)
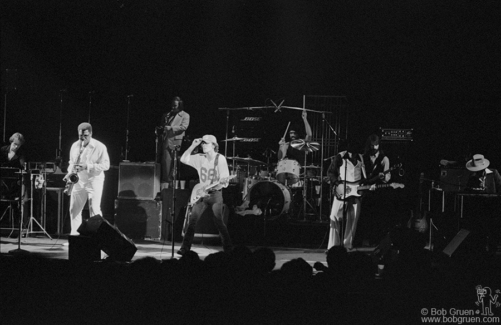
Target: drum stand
(305, 200)
(32, 219)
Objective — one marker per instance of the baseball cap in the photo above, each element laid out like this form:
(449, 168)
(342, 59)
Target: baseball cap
(209, 139)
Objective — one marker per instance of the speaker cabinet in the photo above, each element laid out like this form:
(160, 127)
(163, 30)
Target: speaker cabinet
(139, 181)
(57, 211)
(139, 219)
(454, 180)
(110, 240)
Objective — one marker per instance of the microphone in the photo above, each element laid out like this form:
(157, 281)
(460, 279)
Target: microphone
(421, 178)
(129, 96)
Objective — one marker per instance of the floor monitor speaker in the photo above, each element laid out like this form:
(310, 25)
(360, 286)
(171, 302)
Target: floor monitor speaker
(111, 240)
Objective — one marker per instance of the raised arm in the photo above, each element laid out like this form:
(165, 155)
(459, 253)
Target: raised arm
(307, 126)
(185, 158)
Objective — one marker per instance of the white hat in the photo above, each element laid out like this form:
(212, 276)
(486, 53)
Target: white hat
(210, 139)
(477, 163)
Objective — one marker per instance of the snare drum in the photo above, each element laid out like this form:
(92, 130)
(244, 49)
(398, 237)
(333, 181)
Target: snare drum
(272, 198)
(288, 171)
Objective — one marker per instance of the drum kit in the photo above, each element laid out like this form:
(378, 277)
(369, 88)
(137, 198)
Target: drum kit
(282, 188)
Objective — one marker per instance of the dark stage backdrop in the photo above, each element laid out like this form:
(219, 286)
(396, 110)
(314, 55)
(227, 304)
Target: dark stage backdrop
(428, 65)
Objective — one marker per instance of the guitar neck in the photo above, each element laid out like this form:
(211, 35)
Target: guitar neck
(366, 187)
(212, 185)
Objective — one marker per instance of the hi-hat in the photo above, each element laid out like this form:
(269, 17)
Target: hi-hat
(247, 160)
(305, 145)
(233, 139)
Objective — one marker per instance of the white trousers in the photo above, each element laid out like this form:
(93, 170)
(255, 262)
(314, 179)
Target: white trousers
(91, 190)
(350, 224)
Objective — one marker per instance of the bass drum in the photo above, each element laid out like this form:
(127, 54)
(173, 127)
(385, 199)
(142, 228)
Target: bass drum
(272, 198)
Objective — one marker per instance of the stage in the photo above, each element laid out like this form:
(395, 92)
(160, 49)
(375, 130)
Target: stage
(57, 248)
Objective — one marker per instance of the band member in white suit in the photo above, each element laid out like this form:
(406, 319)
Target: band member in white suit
(349, 166)
(89, 160)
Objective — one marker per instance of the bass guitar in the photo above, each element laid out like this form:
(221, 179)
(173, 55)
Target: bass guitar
(353, 188)
(200, 191)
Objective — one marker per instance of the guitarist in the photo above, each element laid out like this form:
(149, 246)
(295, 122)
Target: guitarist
(211, 167)
(346, 166)
(374, 220)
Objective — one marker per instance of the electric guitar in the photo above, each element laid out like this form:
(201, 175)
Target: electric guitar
(353, 188)
(200, 191)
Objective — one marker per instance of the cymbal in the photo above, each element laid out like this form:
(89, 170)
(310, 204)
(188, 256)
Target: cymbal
(247, 160)
(305, 146)
(233, 139)
(311, 167)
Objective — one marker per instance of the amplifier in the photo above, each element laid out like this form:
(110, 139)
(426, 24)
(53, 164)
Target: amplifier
(454, 180)
(139, 181)
(139, 219)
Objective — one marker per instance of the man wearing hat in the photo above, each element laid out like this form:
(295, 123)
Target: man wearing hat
(484, 212)
(212, 168)
(483, 179)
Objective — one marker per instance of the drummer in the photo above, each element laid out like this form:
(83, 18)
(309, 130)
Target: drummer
(286, 151)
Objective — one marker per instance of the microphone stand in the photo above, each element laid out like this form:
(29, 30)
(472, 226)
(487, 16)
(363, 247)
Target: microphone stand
(20, 251)
(173, 205)
(59, 150)
(226, 143)
(90, 103)
(345, 204)
(322, 165)
(127, 129)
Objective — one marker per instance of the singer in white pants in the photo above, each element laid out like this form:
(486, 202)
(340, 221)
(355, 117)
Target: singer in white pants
(349, 166)
(89, 160)
(350, 223)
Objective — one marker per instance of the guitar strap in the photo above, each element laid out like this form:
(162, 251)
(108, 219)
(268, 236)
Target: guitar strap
(377, 162)
(216, 160)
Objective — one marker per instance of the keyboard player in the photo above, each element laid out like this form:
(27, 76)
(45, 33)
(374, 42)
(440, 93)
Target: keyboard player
(482, 180)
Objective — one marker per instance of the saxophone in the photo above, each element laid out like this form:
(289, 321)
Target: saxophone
(70, 182)
(73, 178)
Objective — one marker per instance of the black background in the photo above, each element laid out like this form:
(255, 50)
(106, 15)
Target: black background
(433, 66)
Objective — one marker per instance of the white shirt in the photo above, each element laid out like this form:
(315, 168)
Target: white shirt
(95, 155)
(205, 168)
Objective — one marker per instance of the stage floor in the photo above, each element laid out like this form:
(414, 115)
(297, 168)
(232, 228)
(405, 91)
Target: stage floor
(57, 248)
